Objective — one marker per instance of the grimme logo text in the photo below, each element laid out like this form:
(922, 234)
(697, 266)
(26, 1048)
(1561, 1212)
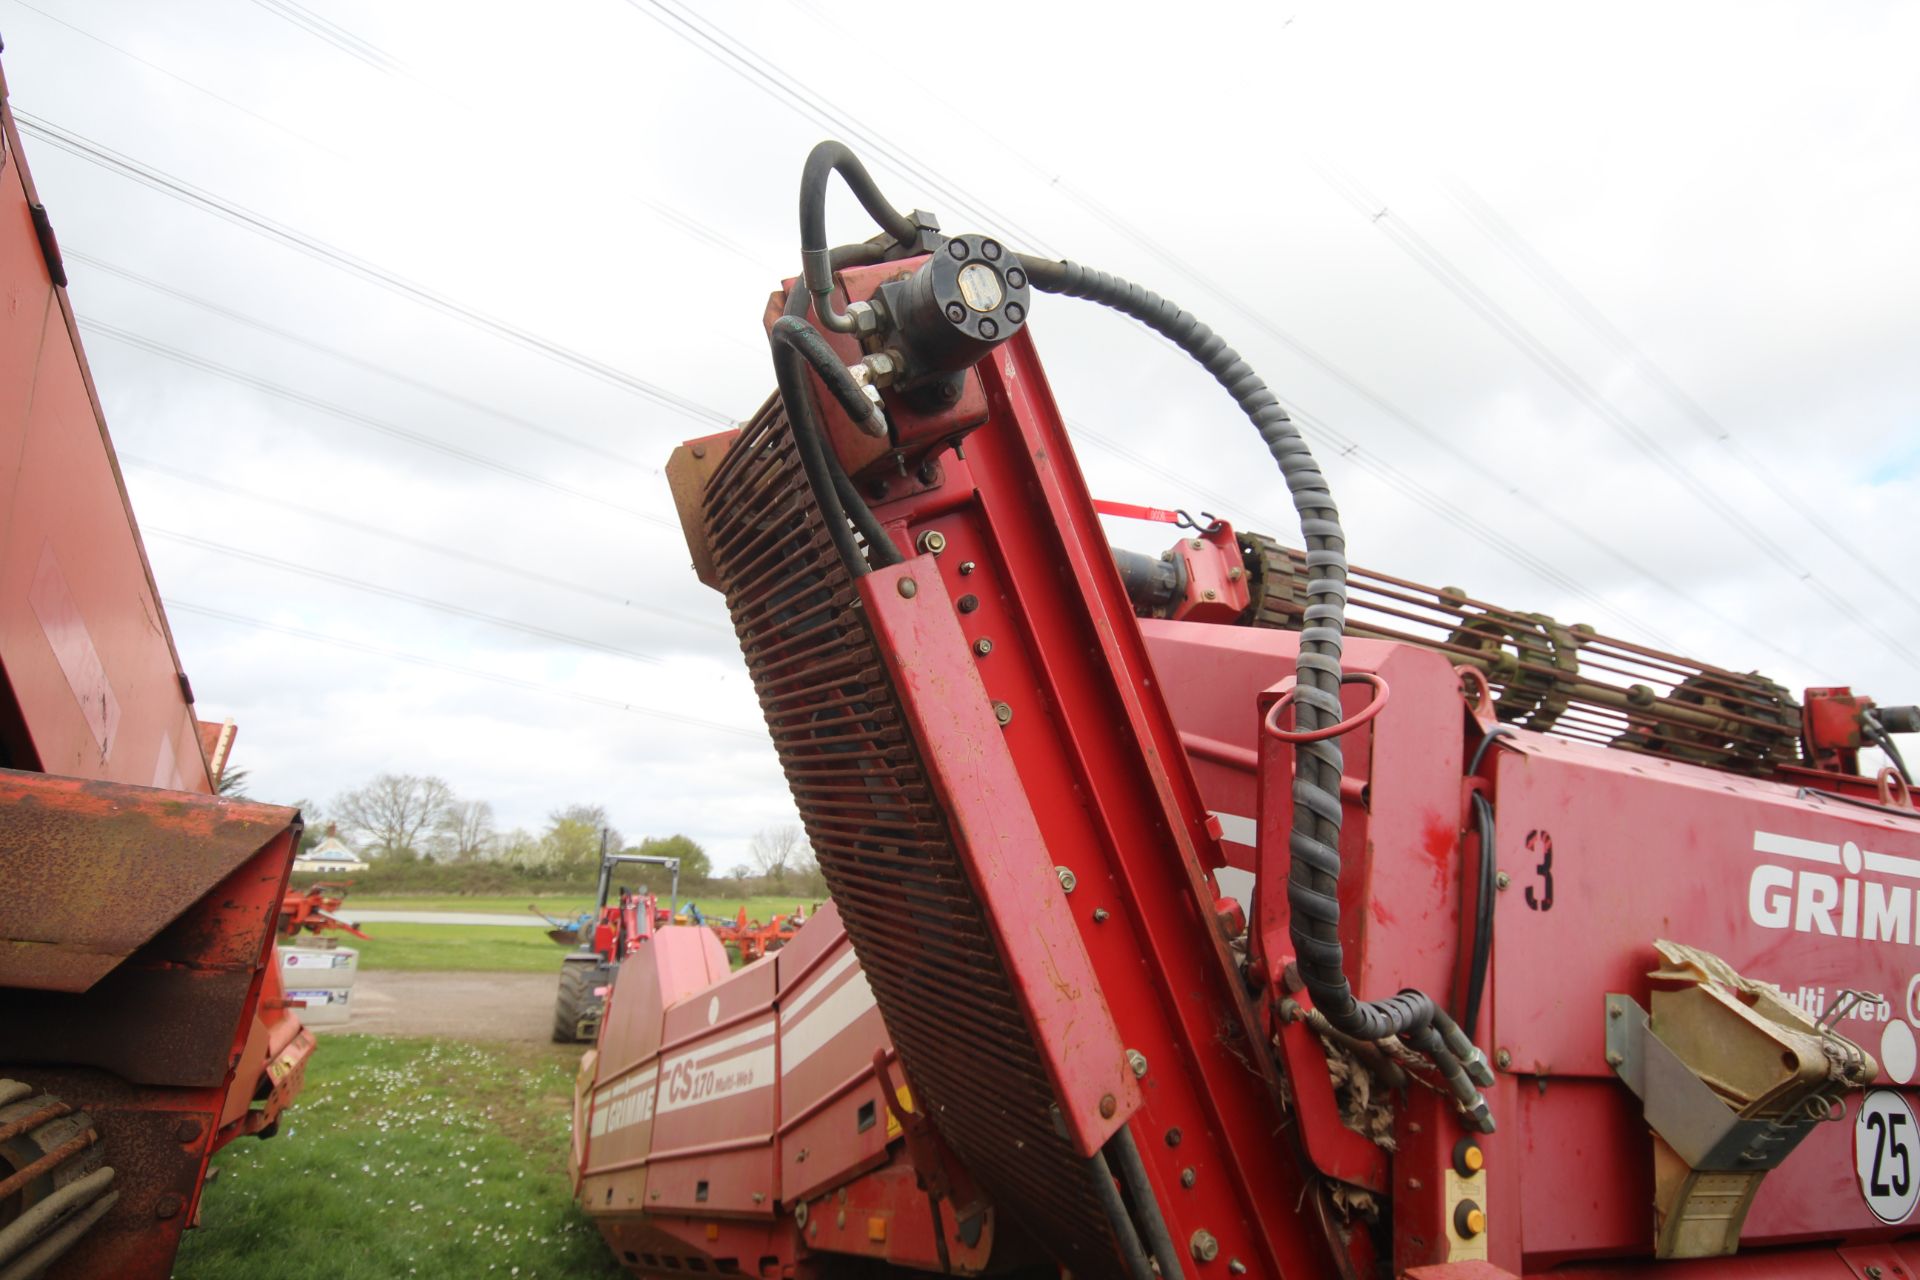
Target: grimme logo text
(1837, 902)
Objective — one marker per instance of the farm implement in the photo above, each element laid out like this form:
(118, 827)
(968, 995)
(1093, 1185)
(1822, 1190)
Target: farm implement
(142, 1020)
(618, 927)
(1236, 911)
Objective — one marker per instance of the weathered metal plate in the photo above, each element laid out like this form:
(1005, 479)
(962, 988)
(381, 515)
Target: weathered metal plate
(94, 870)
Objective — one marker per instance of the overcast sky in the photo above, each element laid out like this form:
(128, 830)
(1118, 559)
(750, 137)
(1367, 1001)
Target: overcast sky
(1569, 298)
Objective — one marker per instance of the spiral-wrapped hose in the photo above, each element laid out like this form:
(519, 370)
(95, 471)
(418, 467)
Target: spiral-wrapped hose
(1313, 879)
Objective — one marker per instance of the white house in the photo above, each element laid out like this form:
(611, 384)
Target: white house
(331, 856)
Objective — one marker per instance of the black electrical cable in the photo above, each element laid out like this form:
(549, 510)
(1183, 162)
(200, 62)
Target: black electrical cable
(1480, 952)
(1313, 880)
(1482, 949)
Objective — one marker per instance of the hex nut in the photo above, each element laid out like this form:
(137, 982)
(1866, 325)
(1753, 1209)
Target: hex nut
(1205, 1247)
(983, 646)
(933, 542)
(1067, 879)
(1137, 1063)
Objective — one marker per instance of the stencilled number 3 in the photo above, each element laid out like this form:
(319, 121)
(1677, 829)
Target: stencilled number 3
(1541, 843)
(1890, 1176)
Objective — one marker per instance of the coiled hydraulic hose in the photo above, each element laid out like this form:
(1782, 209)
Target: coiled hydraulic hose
(1313, 879)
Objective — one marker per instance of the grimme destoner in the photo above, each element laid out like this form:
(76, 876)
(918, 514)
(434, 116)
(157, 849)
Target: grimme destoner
(1237, 911)
(142, 1020)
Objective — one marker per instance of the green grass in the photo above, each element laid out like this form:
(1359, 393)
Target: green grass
(433, 1159)
(472, 948)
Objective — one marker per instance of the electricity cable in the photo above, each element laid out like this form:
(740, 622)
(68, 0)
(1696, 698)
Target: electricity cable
(142, 343)
(382, 651)
(395, 593)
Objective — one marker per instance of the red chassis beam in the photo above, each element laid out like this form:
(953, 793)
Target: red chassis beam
(135, 949)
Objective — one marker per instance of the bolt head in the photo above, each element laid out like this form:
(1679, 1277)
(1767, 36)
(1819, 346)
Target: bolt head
(1099, 915)
(909, 588)
(1108, 1106)
(1205, 1248)
(1502, 880)
(168, 1206)
(1188, 1177)
(1003, 713)
(1614, 1058)
(1137, 1063)
(967, 567)
(933, 542)
(983, 646)
(1504, 1058)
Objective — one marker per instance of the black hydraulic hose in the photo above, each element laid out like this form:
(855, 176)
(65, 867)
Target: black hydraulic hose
(825, 160)
(1124, 1233)
(1133, 1172)
(1482, 951)
(1313, 880)
(1884, 740)
(795, 339)
(790, 372)
(804, 338)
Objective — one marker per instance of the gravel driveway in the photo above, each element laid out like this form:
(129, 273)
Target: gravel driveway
(470, 1006)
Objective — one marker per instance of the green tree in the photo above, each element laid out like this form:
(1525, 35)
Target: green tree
(694, 862)
(570, 845)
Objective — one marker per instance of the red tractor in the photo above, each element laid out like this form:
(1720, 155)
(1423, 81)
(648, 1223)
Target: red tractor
(1240, 911)
(613, 931)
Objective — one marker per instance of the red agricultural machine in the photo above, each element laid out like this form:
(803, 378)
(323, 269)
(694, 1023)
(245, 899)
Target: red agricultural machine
(1235, 912)
(313, 909)
(607, 936)
(142, 1024)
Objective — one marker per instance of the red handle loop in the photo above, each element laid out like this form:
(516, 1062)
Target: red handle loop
(1892, 785)
(1380, 694)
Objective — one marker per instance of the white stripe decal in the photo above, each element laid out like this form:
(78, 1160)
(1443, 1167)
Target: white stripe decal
(1893, 863)
(818, 987)
(706, 1048)
(1238, 829)
(1795, 847)
(801, 1039)
(741, 1073)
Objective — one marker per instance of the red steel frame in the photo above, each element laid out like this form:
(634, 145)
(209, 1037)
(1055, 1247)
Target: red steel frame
(1062, 735)
(137, 919)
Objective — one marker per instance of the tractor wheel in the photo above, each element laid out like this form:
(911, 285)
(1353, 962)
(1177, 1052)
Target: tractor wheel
(578, 978)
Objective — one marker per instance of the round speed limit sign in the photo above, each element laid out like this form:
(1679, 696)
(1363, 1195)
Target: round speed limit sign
(1886, 1154)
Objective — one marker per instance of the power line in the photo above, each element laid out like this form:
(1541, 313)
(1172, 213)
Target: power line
(773, 80)
(281, 503)
(767, 77)
(199, 89)
(280, 233)
(394, 593)
(382, 651)
(1536, 265)
(1504, 323)
(334, 34)
(192, 361)
(347, 357)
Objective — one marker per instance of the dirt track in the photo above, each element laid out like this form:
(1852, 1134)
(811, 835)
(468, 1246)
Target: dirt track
(471, 1006)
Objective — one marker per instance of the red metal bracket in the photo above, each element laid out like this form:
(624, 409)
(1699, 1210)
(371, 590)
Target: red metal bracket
(1380, 695)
